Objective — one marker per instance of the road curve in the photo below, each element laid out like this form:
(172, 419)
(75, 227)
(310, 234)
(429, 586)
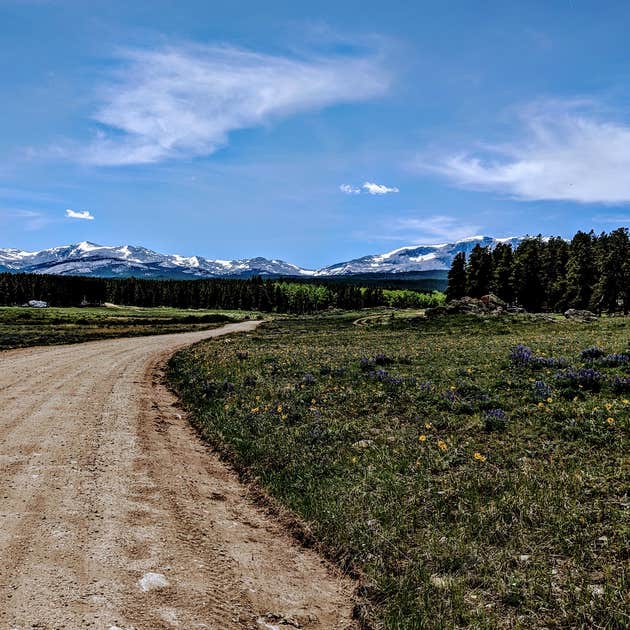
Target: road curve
(103, 482)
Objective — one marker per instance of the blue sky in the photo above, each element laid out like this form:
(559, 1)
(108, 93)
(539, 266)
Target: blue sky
(312, 132)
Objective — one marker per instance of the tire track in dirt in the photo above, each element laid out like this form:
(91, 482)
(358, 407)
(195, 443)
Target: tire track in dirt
(102, 481)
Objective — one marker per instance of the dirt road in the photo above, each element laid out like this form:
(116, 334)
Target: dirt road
(114, 515)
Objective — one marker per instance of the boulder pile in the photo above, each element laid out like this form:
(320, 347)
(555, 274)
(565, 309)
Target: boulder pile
(486, 305)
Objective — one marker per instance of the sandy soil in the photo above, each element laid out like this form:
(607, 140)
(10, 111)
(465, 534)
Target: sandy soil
(103, 483)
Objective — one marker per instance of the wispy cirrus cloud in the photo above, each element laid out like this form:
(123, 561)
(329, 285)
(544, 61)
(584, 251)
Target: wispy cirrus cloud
(430, 229)
(368, 187)
(31, 219)
(566, 152)
(348, 189)
(184, 101)
(84, 215)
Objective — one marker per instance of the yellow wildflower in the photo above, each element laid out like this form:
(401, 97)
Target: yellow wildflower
(422, 438)
(625, 401)
(284, 416)
(541, 405)
(428, 425)
(442, 445)
(469, 371)
(479, 457)
(610, 421)
(255, 409)
(354, 460)
(550, 400)
(279, 409)
(608, 406)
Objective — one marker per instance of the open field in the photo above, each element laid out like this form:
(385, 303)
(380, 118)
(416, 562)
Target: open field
(469, 481)
(22, 327)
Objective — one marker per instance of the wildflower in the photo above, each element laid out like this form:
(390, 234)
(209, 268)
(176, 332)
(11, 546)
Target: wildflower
(284, 416)
(279, 409)
(452, 388)
(422, 438)
(625, 401)
(521, 355)
(541, 405)
(255, 409)
(479, 457)
(355, 459)
(608, 406)
(428, 425)
(469, 371)
(550, 400)
(610, 421)
(442, 445)
(313, 401)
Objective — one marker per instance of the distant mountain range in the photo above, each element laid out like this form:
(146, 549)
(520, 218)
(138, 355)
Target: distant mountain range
(88, 259)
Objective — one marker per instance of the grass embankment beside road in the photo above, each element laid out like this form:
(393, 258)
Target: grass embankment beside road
(470, 481)
(22, 327)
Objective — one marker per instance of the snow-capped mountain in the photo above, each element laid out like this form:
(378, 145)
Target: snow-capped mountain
(88, 259)
(415, 257)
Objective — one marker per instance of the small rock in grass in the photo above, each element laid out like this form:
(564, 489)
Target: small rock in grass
(152, 581)
(440, 581)
(596, 589)
(524, 557)
(363, 444)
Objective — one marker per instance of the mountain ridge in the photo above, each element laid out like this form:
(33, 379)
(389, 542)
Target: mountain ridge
(89, 259)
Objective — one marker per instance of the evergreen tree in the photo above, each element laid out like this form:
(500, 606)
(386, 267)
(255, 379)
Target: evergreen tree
(581, 271)
(555, 254)
(528, 283)
(479, 272)
(613, 286)
(457, 278)
(503, 272)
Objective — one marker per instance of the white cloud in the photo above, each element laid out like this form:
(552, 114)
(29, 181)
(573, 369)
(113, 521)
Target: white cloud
(82, 214)
(349, 190)
(619, 219)
(378, 189)
(181, 102)
(436, 228)
(31, 219)
(566, 154)
(367, 187)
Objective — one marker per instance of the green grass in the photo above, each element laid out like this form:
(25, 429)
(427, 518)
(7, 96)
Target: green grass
(528, 533)
(21, 327)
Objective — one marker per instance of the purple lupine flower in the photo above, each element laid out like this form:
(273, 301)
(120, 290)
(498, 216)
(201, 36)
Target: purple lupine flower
(593, 352)
(614, 360)
(521, 355)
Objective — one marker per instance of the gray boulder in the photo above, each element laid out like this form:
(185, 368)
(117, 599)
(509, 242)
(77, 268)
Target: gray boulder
(580, 315)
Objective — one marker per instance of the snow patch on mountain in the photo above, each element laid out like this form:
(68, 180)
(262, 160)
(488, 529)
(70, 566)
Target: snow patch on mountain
(87, 258)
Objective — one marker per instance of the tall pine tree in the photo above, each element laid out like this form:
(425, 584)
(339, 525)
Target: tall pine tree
(479, 272)
(457, 278)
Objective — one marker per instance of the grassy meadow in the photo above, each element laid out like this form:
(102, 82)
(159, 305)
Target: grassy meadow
(472, 471)
(21, 326)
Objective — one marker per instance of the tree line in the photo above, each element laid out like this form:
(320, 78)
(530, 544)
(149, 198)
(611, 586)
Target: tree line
(282, 296)
(549, 274)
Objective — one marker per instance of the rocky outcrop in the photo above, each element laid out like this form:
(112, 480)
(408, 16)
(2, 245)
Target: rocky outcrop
(486, 305)
(580, 315)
